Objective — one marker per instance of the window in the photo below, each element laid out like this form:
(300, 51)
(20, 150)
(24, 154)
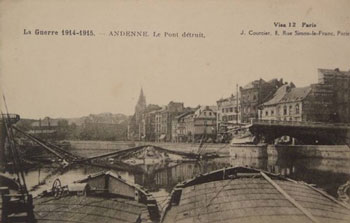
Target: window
(272, 112)
(290, 109)
(297, 109)
(223, 110)
(285, 110)
(266, 113)
(231, 109)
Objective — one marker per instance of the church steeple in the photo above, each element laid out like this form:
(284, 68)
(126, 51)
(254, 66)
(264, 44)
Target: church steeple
(141, 105)
(142, 98)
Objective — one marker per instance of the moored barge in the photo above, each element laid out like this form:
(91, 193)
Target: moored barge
(240, 194)
(101, 197)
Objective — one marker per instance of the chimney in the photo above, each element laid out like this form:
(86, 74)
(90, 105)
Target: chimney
(337, 69)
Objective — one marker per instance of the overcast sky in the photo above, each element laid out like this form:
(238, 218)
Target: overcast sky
(60, 76)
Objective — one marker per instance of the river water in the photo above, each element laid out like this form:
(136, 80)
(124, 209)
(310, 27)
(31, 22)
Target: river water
(159, 179)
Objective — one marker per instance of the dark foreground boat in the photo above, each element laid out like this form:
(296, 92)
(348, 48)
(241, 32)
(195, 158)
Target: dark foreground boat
(102, 197)
(249, 195)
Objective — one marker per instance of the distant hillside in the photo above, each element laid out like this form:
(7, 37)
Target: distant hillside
(104, 126)
(103, 118)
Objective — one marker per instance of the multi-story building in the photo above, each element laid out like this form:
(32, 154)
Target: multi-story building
(312, 103)
(326, 101)
(164, 118)
(48, 128)
(228, 113)
(286, 104)
(158, 131)
(180, 127)
(199, 125)
(254, 94)
(148, 122)
(339, 82)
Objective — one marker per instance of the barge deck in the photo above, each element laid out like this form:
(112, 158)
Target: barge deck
(249, 195)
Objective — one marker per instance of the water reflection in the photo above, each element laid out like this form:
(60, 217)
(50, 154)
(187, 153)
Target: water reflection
(160, 179)
(325, 174)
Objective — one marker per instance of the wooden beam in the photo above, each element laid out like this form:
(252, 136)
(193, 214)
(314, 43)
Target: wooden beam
(328, 196)
(289, 198)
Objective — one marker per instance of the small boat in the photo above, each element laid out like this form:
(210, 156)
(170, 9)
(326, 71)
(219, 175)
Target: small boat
(102, 197)
(244, 144)
(240, 194)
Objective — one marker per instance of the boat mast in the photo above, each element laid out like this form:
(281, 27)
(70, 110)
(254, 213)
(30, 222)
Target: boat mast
(236, 104)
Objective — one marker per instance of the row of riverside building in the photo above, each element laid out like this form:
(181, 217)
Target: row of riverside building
(325, 101)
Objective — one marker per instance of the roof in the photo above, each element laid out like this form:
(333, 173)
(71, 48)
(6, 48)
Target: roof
(97, 207)
(201, 109)
(335, 71)
(288, 94)
(214, 108)
(277, 97)
(184, 114)
(77, 187)
(46, 122)
(110, 174)
(231, 98)
(296, 94)
(88, 209)
(253, 84)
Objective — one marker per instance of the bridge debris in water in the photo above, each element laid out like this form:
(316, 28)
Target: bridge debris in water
(128, 159)
(150, 155)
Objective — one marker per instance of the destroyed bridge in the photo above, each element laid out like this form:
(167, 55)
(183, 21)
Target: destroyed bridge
(305, 132)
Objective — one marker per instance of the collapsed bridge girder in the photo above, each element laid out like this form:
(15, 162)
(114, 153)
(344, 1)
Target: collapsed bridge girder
(62, 154)
(126, 152)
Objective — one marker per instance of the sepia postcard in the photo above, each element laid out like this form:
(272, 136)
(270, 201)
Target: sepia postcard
(175, 111)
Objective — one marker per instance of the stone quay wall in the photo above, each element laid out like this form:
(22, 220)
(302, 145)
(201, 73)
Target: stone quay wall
(310, 151)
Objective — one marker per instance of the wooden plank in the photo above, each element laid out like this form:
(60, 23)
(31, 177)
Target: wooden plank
(286, 195)
(329, 197)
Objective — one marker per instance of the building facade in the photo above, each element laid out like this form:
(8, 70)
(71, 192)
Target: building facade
(228, 113)
(200, 125)
(148, 122)
(289, 103)
(326, 101)
(254, 94)
(164, 120)
(339, 82)
(180, 128)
